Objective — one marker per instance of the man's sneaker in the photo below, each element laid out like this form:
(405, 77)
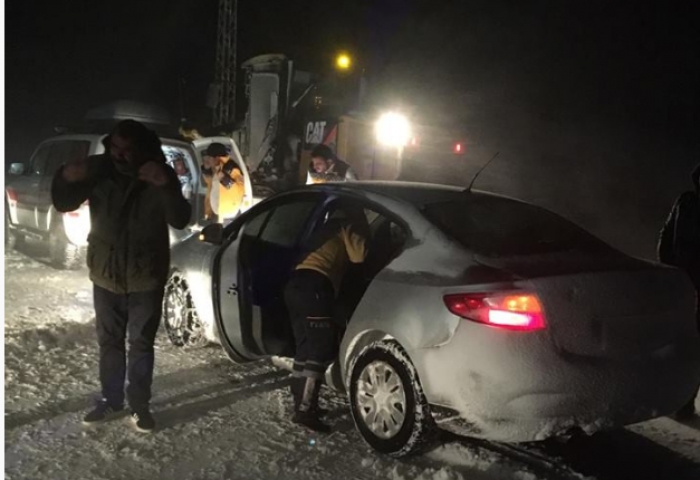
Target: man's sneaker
(143, 421)
(103, 411)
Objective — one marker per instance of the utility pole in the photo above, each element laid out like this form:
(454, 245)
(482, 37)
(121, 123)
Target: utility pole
(225, 81)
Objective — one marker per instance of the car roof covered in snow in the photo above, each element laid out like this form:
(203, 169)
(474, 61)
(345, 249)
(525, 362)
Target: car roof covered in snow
(414, 193)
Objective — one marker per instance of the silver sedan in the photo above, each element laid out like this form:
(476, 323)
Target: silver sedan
(486, 315)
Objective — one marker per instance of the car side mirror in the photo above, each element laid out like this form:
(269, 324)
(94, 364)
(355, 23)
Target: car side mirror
(17, 169)
(213, 234)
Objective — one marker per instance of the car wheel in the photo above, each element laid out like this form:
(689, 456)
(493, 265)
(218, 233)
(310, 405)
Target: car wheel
(387, 401)
(64, 255)
(180, 318)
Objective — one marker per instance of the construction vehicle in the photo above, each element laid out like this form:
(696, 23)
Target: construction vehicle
(289, 111)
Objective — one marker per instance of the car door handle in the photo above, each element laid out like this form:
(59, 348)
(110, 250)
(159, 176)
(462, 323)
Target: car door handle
(232, 290)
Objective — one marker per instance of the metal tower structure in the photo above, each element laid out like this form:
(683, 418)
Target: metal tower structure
(225, 80)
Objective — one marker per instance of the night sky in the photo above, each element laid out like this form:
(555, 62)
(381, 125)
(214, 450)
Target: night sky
(621, 62)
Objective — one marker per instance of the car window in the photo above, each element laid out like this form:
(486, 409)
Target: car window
(66, 151)
(386, 236)
(287, 222)
(503, 227)
(79, 150)
(253, 226)
(39, 160)
(180, 160)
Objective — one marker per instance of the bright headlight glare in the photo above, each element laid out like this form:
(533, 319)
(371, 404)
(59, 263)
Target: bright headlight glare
(393, 130)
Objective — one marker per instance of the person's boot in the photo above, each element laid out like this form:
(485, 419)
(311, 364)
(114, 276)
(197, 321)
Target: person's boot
(307, 414)
(297, 389)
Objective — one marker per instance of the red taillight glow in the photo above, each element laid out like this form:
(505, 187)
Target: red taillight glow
(517, 311)
(11, 194)
(458, 148)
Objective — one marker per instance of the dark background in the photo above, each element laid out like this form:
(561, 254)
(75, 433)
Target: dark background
(592, 104)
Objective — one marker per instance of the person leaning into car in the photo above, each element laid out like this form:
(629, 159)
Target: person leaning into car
(225, 184)
(133, 196)
(310, 296)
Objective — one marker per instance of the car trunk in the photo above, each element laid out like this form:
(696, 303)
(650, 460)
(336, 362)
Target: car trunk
(598, 302)
(607, 307)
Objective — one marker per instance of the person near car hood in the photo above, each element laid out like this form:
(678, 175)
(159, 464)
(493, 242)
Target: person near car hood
(310, 296)
(679, 245)
(225, 184)
(326, 167)
(133, 196)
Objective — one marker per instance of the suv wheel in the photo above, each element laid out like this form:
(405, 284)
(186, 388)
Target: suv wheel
(387, 401)
(64, 254)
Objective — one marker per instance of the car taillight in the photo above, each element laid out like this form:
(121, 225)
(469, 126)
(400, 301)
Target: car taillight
(11, 194)
(513, 311)
(458, 148)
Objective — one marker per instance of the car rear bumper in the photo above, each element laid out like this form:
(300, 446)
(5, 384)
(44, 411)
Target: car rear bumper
(514, 386)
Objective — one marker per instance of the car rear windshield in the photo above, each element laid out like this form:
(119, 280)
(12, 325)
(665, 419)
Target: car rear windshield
(502, 227)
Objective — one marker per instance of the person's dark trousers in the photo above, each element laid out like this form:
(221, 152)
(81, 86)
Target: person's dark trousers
(310, 298)
(135, 318)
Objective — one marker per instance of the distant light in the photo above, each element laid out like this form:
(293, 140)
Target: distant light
(312, 442)
(414, 142)
(393, 130)
(343, 61)
(458, 148)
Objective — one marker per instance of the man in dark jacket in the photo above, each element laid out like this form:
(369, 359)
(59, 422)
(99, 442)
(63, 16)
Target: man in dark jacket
(679, 245)
(133, 196)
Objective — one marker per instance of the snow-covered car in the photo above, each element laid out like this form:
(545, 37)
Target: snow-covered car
(501, 319)
(29, 211)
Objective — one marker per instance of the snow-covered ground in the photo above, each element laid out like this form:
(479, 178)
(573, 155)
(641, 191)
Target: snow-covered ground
(221, 420)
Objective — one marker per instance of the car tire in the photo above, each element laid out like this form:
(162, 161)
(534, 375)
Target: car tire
(182, 325)
(384, 369)
(64, 255)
